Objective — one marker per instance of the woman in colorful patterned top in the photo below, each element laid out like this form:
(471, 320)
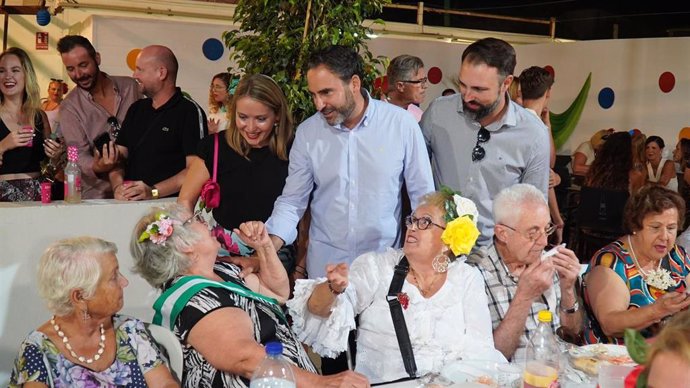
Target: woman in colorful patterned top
(86, 344)
(221, 319)
(640, 279)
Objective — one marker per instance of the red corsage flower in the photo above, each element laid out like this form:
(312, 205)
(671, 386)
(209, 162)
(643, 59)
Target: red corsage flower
(404, 300)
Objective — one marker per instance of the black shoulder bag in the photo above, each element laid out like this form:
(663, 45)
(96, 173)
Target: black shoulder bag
(401, 333)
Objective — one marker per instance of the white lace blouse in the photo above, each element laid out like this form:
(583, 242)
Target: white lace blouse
(453, 324)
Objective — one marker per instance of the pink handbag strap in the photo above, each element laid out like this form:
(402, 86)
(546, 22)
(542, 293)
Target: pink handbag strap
(215, 157)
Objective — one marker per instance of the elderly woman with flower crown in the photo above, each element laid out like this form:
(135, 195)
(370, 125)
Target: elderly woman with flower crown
(640, 279)
(419, 308)
(221, 318)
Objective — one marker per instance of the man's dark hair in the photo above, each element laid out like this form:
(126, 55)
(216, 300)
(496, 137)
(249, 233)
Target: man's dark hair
(69, 42)
(343, 61)
(534, 82)
(494, 53)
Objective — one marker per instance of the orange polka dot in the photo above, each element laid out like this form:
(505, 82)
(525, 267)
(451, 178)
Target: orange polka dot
(132, 58)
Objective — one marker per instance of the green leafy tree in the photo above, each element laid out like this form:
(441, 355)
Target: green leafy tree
(276, 38)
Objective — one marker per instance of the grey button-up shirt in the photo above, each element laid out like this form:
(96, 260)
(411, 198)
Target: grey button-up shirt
(517, 152)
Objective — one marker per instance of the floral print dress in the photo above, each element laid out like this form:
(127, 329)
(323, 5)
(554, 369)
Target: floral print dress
(39, 360)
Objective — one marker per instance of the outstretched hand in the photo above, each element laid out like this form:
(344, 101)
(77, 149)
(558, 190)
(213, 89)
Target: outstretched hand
(254, 234)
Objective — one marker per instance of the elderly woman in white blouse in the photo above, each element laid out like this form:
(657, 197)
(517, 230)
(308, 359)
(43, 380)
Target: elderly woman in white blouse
(442, 300)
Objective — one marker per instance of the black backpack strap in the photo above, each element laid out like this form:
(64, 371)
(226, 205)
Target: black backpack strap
(399, 319)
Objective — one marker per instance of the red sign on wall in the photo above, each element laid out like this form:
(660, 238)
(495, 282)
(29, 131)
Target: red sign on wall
(41, 40)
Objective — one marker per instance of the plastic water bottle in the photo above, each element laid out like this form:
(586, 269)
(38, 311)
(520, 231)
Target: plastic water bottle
(274, 371)
(543, 356)
(72, 176)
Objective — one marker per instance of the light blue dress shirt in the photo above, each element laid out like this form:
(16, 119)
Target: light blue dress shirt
(356, 176)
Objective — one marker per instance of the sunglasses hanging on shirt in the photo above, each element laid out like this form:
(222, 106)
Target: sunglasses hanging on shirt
(478, 152)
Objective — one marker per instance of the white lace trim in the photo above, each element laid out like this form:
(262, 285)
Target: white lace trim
(326, 336)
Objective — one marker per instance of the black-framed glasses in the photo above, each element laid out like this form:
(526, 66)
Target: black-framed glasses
(57, 80)
(422, 223)
(422, 81)
(478, 152)
(535, 233)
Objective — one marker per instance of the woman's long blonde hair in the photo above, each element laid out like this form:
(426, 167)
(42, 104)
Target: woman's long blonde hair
(31, 100)
(265, 90)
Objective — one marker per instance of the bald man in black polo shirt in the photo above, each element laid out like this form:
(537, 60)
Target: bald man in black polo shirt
(159, 134)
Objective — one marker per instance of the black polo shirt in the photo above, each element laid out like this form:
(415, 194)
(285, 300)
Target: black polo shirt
(159, 140)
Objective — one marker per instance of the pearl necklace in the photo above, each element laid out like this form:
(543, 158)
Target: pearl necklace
(65, 340)
(637, 263)
(423, 290)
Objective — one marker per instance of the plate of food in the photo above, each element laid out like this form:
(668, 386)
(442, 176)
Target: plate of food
(466, 373)
(589, 358)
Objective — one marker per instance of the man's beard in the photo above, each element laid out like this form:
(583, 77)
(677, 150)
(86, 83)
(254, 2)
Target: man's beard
(483, 110)
(344, 111)
(93, 79)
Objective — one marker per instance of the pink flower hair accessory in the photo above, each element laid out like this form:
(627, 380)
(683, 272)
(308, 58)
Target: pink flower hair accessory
(159, 230)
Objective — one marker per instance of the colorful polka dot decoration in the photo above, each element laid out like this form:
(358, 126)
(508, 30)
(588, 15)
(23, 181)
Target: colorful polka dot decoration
(213, 49)
(132, 58)
(435, 75)
(381, 83)
(606, 97)
(667, 81)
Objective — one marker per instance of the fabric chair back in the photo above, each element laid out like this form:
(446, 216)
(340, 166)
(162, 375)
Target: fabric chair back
(171, 345)
(601, 209)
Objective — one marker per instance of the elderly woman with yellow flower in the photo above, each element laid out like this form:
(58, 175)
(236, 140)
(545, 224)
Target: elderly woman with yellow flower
(438, 303)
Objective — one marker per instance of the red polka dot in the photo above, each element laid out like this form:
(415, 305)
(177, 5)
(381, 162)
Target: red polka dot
(667, 81)
(435, 74)
(550, 69)
(381, 83)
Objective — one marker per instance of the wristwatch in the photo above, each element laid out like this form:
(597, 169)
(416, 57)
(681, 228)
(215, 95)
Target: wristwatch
(576, 306)
(154, 193)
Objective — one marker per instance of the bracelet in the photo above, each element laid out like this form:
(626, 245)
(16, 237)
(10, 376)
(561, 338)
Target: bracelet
(572, 310)
(333, 291)
(302, 271)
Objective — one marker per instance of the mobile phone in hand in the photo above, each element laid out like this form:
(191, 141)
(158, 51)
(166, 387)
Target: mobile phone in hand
(100, 141)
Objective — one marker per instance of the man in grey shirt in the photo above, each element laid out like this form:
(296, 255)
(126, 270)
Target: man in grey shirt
(480, 141)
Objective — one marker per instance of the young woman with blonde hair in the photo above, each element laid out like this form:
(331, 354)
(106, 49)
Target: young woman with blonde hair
(252, 161)
(23, 127)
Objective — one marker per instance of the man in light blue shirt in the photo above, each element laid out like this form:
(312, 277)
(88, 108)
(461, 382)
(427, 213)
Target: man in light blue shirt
(354, 154)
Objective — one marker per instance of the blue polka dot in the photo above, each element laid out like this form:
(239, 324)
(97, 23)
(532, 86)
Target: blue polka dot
(213, 49)
(606, 97)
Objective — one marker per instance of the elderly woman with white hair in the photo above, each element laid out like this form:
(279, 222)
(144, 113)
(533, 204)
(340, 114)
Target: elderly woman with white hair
(222, 319)
(419, 308)
(86, 343)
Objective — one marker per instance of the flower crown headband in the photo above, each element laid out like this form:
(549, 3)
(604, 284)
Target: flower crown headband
(159, 230)
(461, 231)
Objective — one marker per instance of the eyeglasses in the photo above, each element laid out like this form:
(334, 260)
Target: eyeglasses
(114, 127)
(57, 80)
(218, 87)
(422, 223)
(535, 233)
(422, 81)
(196, 217)
(478, 152)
